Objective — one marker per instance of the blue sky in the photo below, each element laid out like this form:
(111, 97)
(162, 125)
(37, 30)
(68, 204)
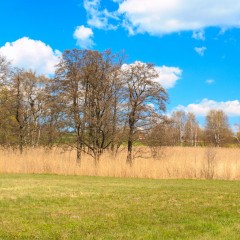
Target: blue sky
(194, 44)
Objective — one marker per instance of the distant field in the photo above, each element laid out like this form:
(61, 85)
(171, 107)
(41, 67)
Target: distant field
(71, 207)
(169, 163)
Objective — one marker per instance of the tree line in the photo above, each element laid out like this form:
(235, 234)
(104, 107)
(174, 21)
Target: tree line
(96, 103)
(183, 129)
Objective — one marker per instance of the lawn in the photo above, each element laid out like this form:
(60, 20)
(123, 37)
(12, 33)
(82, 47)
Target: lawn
(72, 207)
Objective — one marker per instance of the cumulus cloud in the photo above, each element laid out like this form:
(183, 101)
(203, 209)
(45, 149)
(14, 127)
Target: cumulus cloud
(231, 108)
(199, 35)
(99, 18)
(200, 50)
(168, 76)
(31, 54)
(84, 36)
(163, 17)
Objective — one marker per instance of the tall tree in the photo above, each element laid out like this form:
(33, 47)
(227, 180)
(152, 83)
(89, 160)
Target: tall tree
(101, 73)
(87, 83)
(191, 130)
(28, 100)
(6, 119)
(4, 69)
(237, 133)
(217, 128)
(179, 119)
(70, 89)
(161, 134)
(19, 110)
(145, 99)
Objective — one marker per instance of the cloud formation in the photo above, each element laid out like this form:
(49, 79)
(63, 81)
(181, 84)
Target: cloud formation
(231, 108)
(31, 54)
(200, 50)
(199, 35)
(168, 76)
(99, 18)
(163, 17)
(84, 36)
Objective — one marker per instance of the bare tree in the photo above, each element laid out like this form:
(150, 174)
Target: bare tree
(191, 130)
(6, 122)
(34, 93)
(118, 119)
(27, 101)
(160, 135)
(217, 128)
(87, 83)
(179, 118)
(70, 90)
(53, 119)
(4, 70)
(145, 99)
(19, 109)
(237, 133)
(101, 73)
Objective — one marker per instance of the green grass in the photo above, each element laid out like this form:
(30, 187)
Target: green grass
(69, 207)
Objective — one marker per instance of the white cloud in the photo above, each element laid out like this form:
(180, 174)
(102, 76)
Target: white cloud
(210, 81)
(84, 37)
(231, 108)
(168, 76)
(200, 50)
(199, 35)
(99, 18)
(31, 54)
(163, 17)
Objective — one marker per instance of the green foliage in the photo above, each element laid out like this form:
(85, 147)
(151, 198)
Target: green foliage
(70, 207)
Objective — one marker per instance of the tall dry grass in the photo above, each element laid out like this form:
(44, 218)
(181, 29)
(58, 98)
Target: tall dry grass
(172, 162)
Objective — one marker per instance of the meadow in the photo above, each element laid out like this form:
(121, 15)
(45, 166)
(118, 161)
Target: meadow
(37, 206)
(41, 196)
(168, 163)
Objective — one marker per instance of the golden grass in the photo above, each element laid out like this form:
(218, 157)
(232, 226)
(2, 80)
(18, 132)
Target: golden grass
(174, 162)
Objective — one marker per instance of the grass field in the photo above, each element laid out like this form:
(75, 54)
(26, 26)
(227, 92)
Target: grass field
(75, 207)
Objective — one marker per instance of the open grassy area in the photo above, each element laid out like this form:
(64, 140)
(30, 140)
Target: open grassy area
(73, 207)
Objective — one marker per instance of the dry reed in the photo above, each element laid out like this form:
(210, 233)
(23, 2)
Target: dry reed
(173, 162)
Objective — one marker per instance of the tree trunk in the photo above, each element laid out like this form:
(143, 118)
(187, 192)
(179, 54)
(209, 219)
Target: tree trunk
(130, 136)
(129, 153)
(130, 145)
(97, 158)
(79, 152)
(195, 140)
(113, 144)
(21, 139)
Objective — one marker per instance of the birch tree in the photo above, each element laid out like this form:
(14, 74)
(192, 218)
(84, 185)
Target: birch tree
(191, 130)
(179, 118)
